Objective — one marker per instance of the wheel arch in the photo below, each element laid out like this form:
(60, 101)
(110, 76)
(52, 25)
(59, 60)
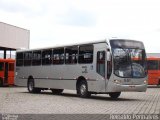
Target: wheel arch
(30, 77)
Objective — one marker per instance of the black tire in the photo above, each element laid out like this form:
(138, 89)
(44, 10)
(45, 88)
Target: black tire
(1, 82)
(114, 95)
(57, 91)
(31, 87)
(82, 90)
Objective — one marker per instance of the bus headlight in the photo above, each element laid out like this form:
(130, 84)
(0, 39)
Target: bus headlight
(145, 81)
(117, 81)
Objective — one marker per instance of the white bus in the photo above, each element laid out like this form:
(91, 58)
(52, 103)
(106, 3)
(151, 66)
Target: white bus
(92, 68)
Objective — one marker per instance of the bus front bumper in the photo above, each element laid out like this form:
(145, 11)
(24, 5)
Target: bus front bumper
(134, 88)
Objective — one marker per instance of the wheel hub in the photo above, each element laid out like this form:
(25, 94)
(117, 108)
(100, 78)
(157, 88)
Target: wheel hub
(30, 86)
(83, 89)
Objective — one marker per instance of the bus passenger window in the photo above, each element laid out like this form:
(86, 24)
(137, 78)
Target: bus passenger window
(152, 65)
(71, 55)
(85, 54)
(101, 63)
(19, 59)
(46, 57)
(36, 58)
(58, 56)
(27, 58)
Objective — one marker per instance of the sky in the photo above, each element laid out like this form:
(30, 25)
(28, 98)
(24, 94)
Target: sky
(64, 22)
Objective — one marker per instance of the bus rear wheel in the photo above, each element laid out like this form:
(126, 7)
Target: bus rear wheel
(83, 90)
(57, 91)
(31, 87)
(114, 95)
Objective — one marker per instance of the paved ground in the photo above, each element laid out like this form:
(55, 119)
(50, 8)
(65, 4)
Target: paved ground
(17, 100)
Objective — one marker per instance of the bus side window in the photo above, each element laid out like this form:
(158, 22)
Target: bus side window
(27, 58)
(19, 59)
(71, 55)
(46, 57)
(152, 64)
(58, 56)
(36, 58)
(101, 63)
(85, 54)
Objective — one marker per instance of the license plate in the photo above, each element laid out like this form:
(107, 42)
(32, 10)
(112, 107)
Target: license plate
(127, 80)
(132, 86)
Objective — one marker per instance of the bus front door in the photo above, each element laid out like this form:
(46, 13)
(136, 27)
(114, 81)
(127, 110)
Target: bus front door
(101, 65)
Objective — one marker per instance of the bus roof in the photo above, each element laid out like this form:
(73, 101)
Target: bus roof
(84, 43)
(153, 58)
(153, 55)
(43, 48)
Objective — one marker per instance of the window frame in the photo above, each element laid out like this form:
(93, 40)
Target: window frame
(157, 63)
(37, 60)
(70, 61)
(103, 60)
(27, 60)
(47, 60)
(83, 54)
(21, 60)
(59, 55)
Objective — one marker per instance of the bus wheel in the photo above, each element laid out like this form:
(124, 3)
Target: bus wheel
(57, 91)
(31, 87)
(1, 82)
(114, 95)
(83, 90)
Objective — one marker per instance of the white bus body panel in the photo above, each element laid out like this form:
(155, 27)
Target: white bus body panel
(64, 76)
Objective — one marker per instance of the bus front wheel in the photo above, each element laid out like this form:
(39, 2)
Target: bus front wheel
(114, 95)
(83, 90)
(31, 87)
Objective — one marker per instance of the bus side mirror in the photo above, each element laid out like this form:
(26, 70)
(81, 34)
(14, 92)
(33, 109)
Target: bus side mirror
(108, 56)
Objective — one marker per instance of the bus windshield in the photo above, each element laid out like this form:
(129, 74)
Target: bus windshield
(129, 61)
(152, 64)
